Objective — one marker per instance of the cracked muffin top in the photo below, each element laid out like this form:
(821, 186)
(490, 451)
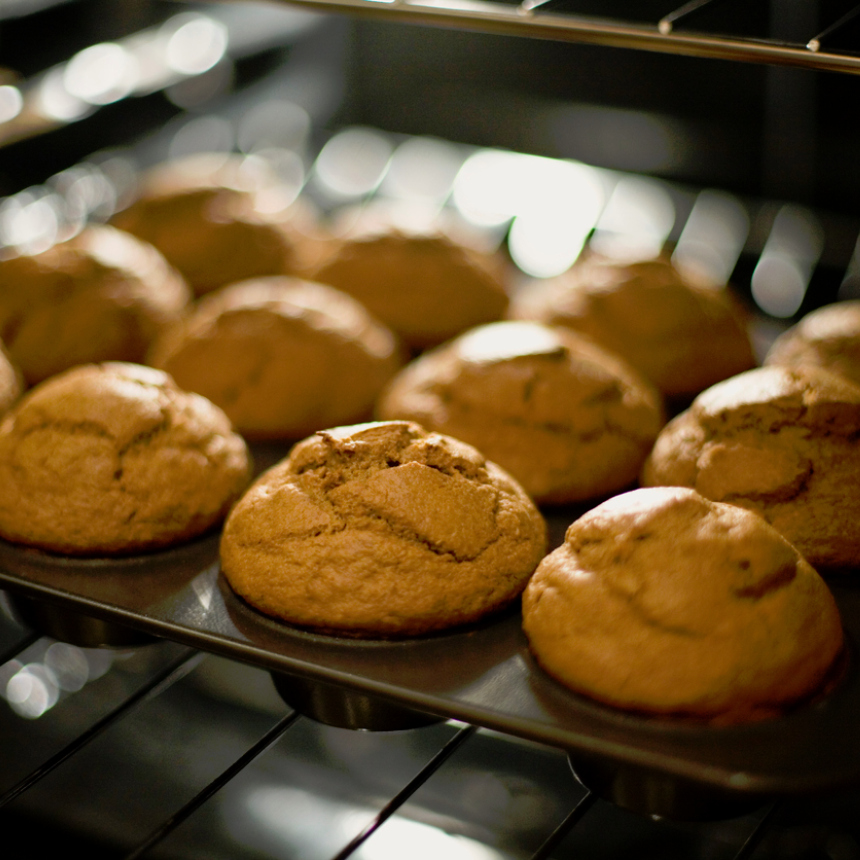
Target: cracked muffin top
(681, 335)
(782, 442)
(382, 530)
(114, 459)
(100, 296)
(283, 357)
(663, 602)
(569, 420)
(828, 337)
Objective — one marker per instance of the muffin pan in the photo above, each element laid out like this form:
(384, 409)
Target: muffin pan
(483, 675)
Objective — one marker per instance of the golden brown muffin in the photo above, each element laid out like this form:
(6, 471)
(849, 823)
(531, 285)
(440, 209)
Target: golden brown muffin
(569, 420)
(281, 356)
(828, 337)
(662, 602)
(102, 295)
(212, 222)
(779, 441)
(115, 459)
(382, 530)
(427, 288)
(681, 335)
(11, 383)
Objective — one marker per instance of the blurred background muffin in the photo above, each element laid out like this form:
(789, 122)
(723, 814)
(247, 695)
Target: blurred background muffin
(681, 334)
(101, 295)
(283, 357)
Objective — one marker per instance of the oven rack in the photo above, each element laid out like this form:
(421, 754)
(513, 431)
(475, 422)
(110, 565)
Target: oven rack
(675, 32)
(575, 809)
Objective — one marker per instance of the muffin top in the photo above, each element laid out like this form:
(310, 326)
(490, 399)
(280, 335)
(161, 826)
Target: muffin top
(426, 287)
(283, 357)
(382, 530)
(682, 335)
(781, 441)
(213, 220)
(115, 458)
(567, 418)
(663, 602)
(102, 295)
(828, 337)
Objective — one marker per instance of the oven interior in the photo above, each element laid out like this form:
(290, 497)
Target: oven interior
(156, 747)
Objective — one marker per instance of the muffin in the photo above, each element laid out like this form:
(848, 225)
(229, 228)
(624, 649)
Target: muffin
(113, 459)
(681, 335)
(11, 384)
(569, 420)
(425, 287)
(828, 337)
(212, 221)
(779, 441)
(102, 295)
(382, 530)
(281, 356)
(665, 603)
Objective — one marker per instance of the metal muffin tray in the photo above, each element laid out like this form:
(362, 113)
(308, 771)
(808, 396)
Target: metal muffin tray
(483, 675)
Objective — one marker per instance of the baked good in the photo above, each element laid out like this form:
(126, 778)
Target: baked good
(11, 384)
(828, 337)
(102, 295)
(214, 222)
(663, 602)
(114, 458)
(382, 530)
(682, 335)
(425, 287)
(782, 442)
(569, 420)
(281, 356)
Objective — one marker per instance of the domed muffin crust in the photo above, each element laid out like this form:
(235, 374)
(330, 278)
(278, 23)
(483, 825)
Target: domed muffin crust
(102, 295)
(828, 337)
(382, 530)
(115, 459)
(425, 287)
(214, 219)
(662, 602)
(567, 419)
(681, 335)
(282, 357)
(779, 441)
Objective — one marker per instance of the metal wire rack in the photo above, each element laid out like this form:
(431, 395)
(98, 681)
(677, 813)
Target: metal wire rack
(676, 31)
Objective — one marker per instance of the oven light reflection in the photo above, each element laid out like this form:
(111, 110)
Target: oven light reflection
(11, 102)
(353, 163)
(296, 823)
(485, 190)
(30, 222)
(713, 237)
(32, 689)
(53, 100)
(781, 276)
(637, 219)
(101, 74)
(196, 45)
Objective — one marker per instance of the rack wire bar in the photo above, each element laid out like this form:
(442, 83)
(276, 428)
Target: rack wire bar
(667, 22)
(815, 43)
(754, 839)
(176, 669)
(19, 647)
(525, 20)
(570, 821)
(406, 792)
(214, 787)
